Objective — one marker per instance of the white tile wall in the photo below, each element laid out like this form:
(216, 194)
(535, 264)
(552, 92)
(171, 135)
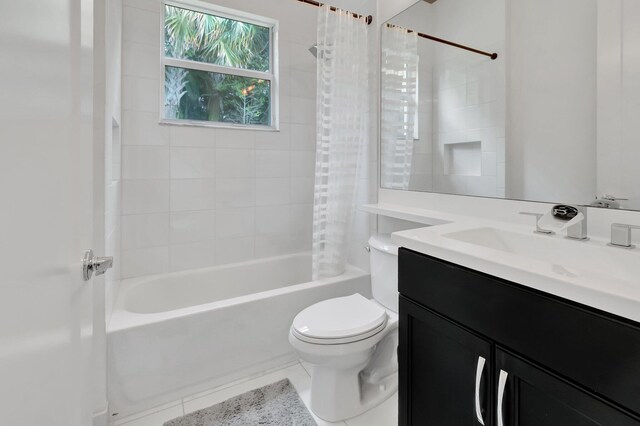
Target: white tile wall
(192, 194)
(145, 196)
(140, 26)
(194, 163)
(234, 223)
(139, 94)
(461, 99)
(193, 226)
(145, 162)
(202, 196)
(193, 255)
(273, 191)
(272, 163)
(140, 60)
(235, 163)
(145, 261)
(145, 230)
(142, 128)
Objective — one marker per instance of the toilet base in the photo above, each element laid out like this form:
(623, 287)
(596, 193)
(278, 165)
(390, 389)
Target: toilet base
(350, 396)
(341, 393)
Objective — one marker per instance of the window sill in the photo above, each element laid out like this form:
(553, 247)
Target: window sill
(214, 125)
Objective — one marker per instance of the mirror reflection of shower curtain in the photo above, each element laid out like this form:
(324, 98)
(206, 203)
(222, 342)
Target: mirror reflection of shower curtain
(342, 133)
(399, 123)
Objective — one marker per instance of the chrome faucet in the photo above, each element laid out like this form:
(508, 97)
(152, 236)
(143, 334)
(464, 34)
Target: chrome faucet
(538, 230)
(577, 231)
(621, 235)
(608, 201)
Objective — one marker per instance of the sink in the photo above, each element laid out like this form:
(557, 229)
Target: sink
(587, 272)
(500, 239)
(574, 257)
(566, 256)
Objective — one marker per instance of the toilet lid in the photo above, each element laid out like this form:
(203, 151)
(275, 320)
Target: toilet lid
(345, 319)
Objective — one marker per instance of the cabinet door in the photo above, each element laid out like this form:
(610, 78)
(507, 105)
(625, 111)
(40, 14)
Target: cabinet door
(444, 371)
(530, 396)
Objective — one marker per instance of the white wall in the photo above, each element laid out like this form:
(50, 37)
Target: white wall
(618, 123)
(387, 9)
(552, 103)
(197, 196)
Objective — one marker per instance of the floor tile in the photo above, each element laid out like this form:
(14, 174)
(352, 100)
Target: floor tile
(296, 374)
(385, 414)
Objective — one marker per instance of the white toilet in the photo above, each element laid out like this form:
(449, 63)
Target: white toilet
(351, 342)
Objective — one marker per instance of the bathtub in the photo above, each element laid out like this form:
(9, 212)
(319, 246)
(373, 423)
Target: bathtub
(177, 334)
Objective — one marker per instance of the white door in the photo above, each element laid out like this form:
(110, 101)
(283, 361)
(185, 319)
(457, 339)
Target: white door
(46, 51)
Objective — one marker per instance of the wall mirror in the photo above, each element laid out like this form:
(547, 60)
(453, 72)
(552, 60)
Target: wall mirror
(523, 99)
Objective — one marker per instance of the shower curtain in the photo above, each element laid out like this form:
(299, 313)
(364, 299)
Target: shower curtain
(342, 132)
(399, 81)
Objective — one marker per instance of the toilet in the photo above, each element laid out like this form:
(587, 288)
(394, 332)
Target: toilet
(352, 342)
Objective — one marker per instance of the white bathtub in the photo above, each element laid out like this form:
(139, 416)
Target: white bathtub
(177, 334)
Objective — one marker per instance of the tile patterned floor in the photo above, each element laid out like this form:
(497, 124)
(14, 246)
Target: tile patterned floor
(386, 414)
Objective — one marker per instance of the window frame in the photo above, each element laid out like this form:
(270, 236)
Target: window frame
(272, 75)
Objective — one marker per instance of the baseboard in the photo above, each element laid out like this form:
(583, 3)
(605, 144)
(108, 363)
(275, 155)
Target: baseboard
(101, 418)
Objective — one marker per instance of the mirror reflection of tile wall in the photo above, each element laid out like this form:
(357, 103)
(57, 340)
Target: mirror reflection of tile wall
(568, 71)
(461, 101)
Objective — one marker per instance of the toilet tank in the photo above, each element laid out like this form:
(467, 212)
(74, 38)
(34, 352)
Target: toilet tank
(383, 256)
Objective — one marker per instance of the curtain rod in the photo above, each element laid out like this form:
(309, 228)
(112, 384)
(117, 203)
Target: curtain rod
(493, 55)
(369, 19)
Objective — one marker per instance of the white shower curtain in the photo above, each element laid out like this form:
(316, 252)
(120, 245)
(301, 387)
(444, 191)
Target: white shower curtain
(342, 132)
(399, 81)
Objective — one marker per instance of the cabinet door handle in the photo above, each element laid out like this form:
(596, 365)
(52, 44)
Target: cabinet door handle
(479, 370)
(502, 383)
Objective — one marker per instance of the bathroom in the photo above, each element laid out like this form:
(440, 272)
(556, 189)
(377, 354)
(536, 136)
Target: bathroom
(365, 212)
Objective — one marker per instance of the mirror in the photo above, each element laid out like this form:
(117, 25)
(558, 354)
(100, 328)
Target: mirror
(555, 117)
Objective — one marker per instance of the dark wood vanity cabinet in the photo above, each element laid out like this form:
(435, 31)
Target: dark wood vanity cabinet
(479, 350)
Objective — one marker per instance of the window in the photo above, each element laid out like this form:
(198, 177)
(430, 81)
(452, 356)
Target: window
(218, 67)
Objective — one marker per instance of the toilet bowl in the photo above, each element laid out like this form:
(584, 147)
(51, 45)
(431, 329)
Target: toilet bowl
(352, 342)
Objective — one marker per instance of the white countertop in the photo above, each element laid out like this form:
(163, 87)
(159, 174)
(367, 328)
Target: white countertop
(590, 273)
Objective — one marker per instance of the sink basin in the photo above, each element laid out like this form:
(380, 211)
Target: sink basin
(566, 256)
(588, 272)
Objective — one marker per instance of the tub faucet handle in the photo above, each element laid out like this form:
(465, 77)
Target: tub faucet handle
(91, 264)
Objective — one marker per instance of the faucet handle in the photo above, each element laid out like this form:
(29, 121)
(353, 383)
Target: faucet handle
(621, 235)
(538, 229)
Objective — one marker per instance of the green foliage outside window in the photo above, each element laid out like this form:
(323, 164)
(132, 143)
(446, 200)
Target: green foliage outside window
(215, 96)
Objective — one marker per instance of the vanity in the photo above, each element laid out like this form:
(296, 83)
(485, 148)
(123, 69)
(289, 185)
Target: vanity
(509, 354)
(546, 346)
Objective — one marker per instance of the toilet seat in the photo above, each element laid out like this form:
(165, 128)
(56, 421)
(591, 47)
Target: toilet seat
(339, 320)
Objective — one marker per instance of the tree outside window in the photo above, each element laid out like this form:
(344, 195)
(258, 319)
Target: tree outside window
(217, 69)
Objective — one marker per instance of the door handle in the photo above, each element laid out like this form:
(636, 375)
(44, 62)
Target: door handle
(479, 370)
(502, 384)
(91, 264)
